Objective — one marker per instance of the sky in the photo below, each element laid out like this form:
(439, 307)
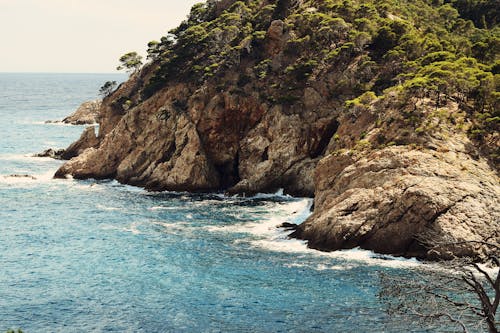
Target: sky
(81, 36)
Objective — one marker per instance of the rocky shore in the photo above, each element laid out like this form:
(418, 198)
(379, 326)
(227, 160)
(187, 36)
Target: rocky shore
(385, 170)
(86, 114)
(378, 199)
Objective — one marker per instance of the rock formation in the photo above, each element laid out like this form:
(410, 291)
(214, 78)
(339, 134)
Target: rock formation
(86, 114)
(386, 166)
(30, 177)
(87, 140)
(381, 201)
(52, 153)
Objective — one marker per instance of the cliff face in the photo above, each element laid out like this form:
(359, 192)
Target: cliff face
(213, 141)
(400, 201)
(255, 96)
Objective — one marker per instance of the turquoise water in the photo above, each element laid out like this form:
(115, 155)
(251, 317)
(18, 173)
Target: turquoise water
(87, 256)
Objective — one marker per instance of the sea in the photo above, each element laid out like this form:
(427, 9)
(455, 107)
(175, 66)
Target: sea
(100, 256)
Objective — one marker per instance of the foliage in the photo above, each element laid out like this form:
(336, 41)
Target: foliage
(302, 69)
(444, 50)
(130, 62)
(107, 88)
(483, 13)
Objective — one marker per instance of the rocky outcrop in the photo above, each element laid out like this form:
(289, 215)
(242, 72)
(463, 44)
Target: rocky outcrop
(86, 114)
(217, 141)
(384, 199)
(299, 104)
(19, 176)
(87, 140)
(399, 200)
(51, 153)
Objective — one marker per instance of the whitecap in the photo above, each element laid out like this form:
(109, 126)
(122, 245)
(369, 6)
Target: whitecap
(157, 208)
(23, 178)
(133, 228)
(274, 215)
(107, 208)
(265, 235)
(21, 157)
(279, 194)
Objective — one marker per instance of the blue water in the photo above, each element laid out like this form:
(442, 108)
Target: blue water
(87, 256)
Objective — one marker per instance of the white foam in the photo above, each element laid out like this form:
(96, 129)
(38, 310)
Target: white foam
(321, 267)
(274, 215)
(28, 158)
(265, 235)
(94, 187)
(278, 194)
(25, 178)
(106, 208)
(159, 208)
(20, 157)
(133, 228)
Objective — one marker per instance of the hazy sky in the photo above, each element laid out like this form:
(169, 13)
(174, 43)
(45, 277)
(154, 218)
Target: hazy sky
(81, 35)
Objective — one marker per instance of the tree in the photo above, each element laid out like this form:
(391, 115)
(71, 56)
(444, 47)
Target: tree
(131, 62)
(154, 49)
(460, 291)
(107, 88)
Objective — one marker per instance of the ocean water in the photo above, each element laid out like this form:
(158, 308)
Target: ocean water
(98, 256)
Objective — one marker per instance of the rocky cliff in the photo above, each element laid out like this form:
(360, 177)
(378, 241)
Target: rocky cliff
(343, 101)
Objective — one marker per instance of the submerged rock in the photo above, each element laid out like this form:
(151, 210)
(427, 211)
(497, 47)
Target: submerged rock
(21, 176)
(52, 153)
(288, 226)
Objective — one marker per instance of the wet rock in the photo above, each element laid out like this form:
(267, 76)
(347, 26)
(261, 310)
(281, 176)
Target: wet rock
(52, 153)
(288, 226)
(21, 176)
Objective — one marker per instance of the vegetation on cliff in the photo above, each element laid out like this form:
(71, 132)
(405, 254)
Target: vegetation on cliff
(439, 50)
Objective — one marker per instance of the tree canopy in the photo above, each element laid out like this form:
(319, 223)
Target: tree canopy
(130, 62)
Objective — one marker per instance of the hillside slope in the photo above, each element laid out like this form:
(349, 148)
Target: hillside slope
(387, 112)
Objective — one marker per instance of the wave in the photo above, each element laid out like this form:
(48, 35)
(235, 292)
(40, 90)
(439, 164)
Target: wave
(107, 208)
(21, 157)
(279, 194)
(22, 178)
(144, 228)
(28, 158)
(274, 215)
(266, 236)
(160, 208)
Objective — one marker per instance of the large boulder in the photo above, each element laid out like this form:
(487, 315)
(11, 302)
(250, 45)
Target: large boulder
(405, 202)
(86, 114)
